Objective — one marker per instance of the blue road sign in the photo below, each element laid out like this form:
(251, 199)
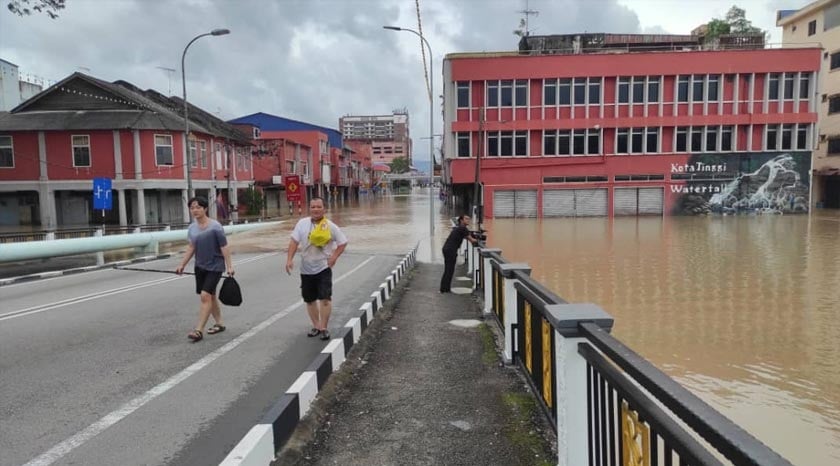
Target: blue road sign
(102, 193)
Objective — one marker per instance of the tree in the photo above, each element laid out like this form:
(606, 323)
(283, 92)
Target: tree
(253, 201)
(735, 22)
(27, 7)
(399, 165)
(520, 31)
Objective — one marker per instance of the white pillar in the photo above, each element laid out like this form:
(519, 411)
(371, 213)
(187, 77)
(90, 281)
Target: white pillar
(510, 312)
(570, 378)
(141, 207)
(487, 279)
(121, 206)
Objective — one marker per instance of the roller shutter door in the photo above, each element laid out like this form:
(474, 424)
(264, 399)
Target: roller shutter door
(525, 204)
(559, 203)
(503, 204)
(651, 201)
(591, 202)
(625, 201)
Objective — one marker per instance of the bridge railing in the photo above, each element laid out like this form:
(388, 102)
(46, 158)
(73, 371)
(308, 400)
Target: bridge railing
(607, 404)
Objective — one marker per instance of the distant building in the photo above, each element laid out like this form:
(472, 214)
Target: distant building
(818, 24)
(388, 135)
(616, 124)
(14, 90)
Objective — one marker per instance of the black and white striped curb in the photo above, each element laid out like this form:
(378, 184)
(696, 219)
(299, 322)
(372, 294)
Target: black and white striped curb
(260, 444)
(90, 268)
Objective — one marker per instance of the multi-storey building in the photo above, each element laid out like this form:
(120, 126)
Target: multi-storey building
(388, 134)
(818, 24)
(54, 144)
(630, 125)
(14, 89)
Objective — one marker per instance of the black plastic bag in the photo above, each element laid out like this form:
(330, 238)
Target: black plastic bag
(230, 294)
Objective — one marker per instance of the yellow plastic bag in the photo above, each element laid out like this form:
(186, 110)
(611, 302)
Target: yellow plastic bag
(320, 236)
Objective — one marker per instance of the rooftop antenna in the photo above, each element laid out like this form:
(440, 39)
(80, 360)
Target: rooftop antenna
(528, 12)
(169, 71)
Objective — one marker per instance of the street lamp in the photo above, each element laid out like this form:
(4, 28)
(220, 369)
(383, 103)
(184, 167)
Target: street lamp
(431, 124)
(214, 32)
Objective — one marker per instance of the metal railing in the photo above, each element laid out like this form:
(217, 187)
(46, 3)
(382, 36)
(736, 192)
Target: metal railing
(607, 404)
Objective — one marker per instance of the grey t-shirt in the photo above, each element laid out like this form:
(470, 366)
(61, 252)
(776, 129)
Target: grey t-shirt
(208, 243)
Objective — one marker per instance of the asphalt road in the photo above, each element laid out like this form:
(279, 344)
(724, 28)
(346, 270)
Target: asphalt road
(96, 368)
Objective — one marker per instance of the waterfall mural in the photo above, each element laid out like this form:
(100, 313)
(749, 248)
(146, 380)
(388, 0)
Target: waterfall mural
(753, 183)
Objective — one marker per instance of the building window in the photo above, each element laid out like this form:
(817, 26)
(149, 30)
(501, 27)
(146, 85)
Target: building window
(804, 82)
(653, 89)
(203, 146)
(594, 91)
(773, 87)
(81, 151)
(651, 140)
(502, 143)
(833, 146)
(593, 141)
(623, 90)
(726, 139)
(697, 88)
(579, 142)
(506, 93)
(193, 157)
(520, 143)
(802, 137)
(580, 91)
(621, 140)
(637, 140)
(521, 92)
(682, 88)
(714, 82)
(638, 89)
(711, 138)
(549, 142)
(681, 143)
(256, 132)
(163, 150)
(835, 60)
(834, 104)
(696, 139)
(787, 137)
(556, 142)
(564, 92)
(463, 94)
(789, 86)
(463, 145)
(7, 152)
(772, 137)
(550, 92)
(492, 93)
(812, 27)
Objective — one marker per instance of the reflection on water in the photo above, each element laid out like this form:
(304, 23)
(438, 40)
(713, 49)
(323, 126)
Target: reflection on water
(744, 311)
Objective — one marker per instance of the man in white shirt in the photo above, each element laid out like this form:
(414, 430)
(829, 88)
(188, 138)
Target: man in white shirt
(319, 252)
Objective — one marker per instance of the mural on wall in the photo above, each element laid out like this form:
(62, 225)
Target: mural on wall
(753, 183)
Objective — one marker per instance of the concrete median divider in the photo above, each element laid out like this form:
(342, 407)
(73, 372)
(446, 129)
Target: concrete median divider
(259, 445)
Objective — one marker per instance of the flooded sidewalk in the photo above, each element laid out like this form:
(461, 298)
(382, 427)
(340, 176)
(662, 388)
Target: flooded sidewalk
(424, 386)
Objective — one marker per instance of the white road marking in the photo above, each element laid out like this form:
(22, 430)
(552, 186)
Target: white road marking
(57, 452)
(101, 294)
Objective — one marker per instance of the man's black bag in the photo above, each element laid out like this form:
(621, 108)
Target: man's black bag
(230, 294)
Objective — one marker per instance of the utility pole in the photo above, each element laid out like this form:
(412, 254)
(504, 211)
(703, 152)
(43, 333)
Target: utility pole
(478, 203)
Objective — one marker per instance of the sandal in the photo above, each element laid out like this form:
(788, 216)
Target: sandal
(325, 334)
(195, 335)
(313, 333)
(216, 329)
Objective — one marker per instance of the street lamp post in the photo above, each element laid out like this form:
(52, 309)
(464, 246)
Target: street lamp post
(431, 125)
(214, 32)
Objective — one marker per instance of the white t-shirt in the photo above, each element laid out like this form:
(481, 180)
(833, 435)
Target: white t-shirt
(313, 258)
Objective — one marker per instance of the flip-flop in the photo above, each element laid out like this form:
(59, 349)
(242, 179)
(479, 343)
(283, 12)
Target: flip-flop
(195, 336)
(313, 333)
(325, 334)
(216, 329)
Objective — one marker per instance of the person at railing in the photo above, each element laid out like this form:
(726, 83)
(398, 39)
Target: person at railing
(459, 233)
(212, 258)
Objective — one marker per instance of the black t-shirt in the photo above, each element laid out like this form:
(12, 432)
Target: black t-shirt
(455, 238)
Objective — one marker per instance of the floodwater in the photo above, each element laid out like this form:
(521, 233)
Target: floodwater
(744, 311)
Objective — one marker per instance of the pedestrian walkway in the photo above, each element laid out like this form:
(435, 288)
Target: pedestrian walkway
(425, 387)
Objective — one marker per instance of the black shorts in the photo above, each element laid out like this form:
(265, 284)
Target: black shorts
(206, 280)
(318, 286)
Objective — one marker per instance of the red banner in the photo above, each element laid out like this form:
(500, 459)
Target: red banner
(293, 188)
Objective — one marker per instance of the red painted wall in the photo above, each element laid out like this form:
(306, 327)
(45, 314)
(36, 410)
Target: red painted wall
(60, 155)
(25, 148)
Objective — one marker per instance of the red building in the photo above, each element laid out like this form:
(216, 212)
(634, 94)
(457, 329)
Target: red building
(55, 143)
(605, 128)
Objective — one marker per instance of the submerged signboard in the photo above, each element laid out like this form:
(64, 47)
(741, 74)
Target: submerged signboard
(741, 183)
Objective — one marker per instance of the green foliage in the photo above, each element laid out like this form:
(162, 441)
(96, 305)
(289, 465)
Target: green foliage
(252, 199)
(735, 22)
(27, 7)
(399, 165)
(716, 27)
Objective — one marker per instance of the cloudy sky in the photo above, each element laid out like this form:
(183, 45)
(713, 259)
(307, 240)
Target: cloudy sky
(316, 60)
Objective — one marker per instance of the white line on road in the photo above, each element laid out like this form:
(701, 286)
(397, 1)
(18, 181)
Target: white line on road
(57, 452)
(102, 294)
